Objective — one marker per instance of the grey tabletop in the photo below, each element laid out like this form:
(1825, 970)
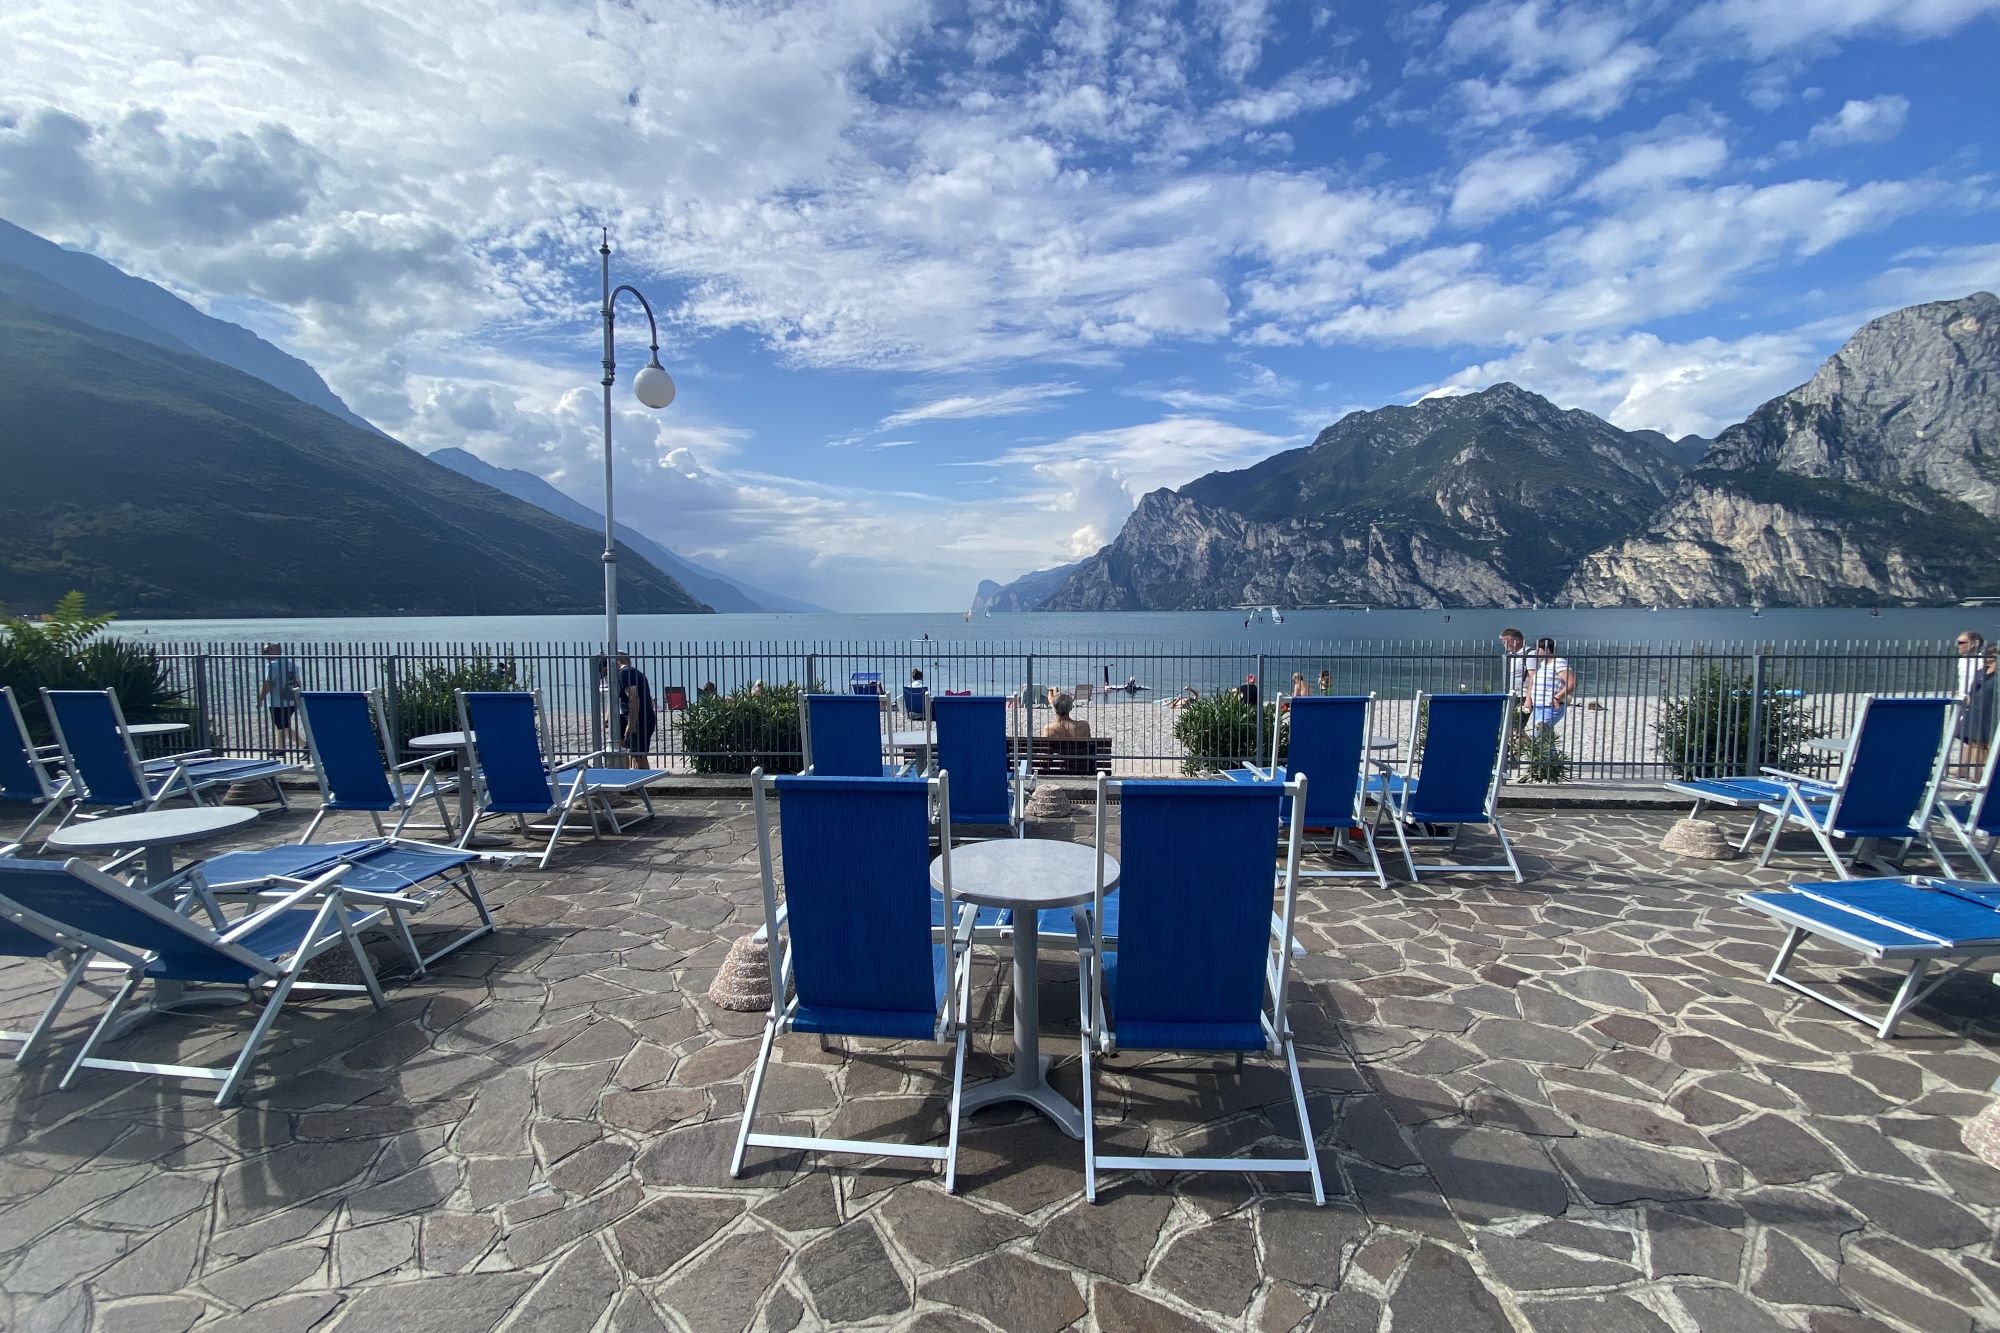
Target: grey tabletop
(905, 739)
(439, 740)
(150, 828)
(1830, 744)
(155, 728)
(1025, 872)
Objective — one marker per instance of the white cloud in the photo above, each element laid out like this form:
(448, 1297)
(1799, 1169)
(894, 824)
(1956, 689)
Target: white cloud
(1875, 120)
(1578, 60)
(1507, 179)
(1007, 402)
(1768, 27)
(1641, 382)
(1648, 166)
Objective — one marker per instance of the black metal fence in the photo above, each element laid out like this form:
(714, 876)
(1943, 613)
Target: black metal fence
(1642, 713)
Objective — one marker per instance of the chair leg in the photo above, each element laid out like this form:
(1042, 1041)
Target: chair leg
(958, 1072)
(1084, 962)
(1508, 848)
(1771, 843)
(104, 1025)
(1785, 952)
(1906, 995)
(1833, 853)
(1409, 857)
(233, 1083)
(31, 1045)
(1750, 834)
(313, 827)
(376, 819)
(1305, 1122)
(750, 1102)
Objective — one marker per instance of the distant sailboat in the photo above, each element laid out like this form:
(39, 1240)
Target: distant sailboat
(968, 617)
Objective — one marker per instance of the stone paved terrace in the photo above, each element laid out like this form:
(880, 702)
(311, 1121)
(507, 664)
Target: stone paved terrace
(1570, 1106)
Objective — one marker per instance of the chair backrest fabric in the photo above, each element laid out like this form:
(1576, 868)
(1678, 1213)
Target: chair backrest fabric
(972, 747)
(844, 735)
(1464, 747)
(1986, 801)
(913, 702)
(1327, 743)
(857, 892)
(21, 775)
(1892, 769)
(88, 727)
(864, 682)
(376, 865)
(1194, 934)
(508, 745)
(73, 897)
(345, 735)
(677, 698)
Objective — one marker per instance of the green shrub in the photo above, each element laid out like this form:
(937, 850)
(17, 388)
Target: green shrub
(1705, 733)
(734, 733)
(64, 652)
(1220, 731)
(1542, 751)
(420, 703)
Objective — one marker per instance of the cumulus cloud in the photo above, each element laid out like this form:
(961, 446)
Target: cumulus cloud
(1768, 27)
(1650, 165)
(1873, 120)
(1507, 179)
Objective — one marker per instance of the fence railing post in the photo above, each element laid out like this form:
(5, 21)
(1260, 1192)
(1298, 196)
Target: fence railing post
(202, 739)
(1263, 683)
(1757, 707)
(1028, 705)
(391, 703)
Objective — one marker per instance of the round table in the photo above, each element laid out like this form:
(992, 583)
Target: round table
(909, 740)
(158, 832)
(468, 798)
(141, 730)
(1026, 875)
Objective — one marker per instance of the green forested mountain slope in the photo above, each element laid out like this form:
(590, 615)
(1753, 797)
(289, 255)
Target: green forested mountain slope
(164, 484)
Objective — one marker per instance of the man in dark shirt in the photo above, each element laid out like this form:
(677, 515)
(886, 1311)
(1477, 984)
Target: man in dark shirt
(636, 714)
(1247, 691)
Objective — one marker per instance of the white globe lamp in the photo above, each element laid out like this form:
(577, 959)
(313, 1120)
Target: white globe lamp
(654, 386)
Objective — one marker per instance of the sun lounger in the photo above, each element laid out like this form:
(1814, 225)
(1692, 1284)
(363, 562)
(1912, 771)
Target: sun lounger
(349, 739)
(852, 952)
(1201, 965)
(1459, 748)
(105, 771)
(518, 782)
(1913, 923)
(1887, 787)
(972, 747)
(1328, 743)
(402, 877)
(842, 736)
(1971, 813)
(24, 774)
(73, 906)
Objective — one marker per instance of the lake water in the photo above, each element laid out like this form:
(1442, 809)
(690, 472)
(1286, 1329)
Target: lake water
(1119, 633)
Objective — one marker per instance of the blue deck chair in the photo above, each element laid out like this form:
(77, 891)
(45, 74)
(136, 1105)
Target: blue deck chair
(1911, 921)
(857, 958)
(71, 957)
(916, 703)
(972, 747)
(1328, 743)
(1971, 813)
(348, 736)
(24, 774)
(1740, 793)
(842, 736)
(1454, 780)
(519, 783)
(73, 906)
(107, 774)
(1201, 964)
(1887, 788)
(401, 876)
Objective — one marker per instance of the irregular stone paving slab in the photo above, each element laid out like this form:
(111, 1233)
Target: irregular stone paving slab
(1576, 1101)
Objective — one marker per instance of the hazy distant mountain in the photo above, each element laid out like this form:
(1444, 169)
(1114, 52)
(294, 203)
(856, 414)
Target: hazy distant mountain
(719, 591)
(1026, 593)
(1686, 451)
(165, 483)
(1877, 480)
(1484, 499)
(103, 288)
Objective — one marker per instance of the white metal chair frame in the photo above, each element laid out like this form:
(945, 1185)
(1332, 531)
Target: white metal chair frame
(404, 800)
(1394, 803)
(1092, 1015)
(951, 1026)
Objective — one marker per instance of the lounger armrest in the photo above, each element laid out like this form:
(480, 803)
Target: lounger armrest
(1263, 773)
(584, 761)
(425, 760)
(318, 888)
(181, 756)
(1796, 779)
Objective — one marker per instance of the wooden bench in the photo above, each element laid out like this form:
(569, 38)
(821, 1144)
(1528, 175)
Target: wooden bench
(1072, 757)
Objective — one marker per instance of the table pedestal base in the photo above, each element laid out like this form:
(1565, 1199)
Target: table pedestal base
(1036, 1092)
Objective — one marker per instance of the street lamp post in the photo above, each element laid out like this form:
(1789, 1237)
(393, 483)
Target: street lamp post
(653, 387)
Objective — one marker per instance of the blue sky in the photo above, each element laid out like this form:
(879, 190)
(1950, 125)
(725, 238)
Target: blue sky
(946, 287)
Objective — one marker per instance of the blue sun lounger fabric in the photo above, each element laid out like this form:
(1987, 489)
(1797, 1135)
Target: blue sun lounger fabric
(842, 737)
(106, 772)
(1327, 739)
(972, 747)
(1913, 921)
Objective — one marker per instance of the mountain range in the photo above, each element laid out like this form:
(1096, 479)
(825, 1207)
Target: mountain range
(1879, 480)
(88, 299)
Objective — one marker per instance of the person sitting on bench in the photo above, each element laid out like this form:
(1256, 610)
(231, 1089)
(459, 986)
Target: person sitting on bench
(1063, 726)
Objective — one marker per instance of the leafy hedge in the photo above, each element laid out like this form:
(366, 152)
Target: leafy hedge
(421, 702)
(734, 733)
(1705, 733)
(1220, 731)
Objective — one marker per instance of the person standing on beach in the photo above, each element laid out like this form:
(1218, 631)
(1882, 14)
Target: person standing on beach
(1975, 721)
(280, 692)
(1325, 680)
(1516, 660)
(1550, 685)
(1970, 642)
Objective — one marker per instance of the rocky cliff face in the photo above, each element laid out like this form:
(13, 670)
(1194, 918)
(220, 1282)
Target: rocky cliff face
(1877, 480)
(1026, 593)
(1485, 499)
